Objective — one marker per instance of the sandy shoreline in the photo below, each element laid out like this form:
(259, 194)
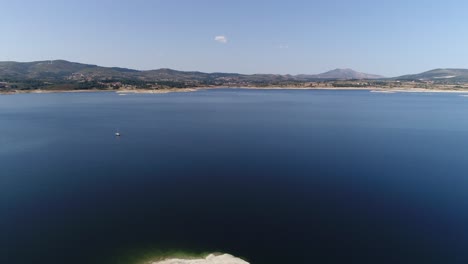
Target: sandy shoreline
(122, 91)
(160, 91)
(417, 90)
(185, 90)
(370, 89)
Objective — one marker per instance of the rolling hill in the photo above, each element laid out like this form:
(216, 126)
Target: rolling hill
(445, 75)
(342, 74)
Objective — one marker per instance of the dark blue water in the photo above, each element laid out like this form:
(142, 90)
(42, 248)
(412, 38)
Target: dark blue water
(272, 176)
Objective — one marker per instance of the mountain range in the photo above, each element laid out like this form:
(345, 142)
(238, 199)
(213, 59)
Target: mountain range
(71, 70)
(61, 74)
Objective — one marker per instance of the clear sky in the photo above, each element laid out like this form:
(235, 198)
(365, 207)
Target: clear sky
(277, 36)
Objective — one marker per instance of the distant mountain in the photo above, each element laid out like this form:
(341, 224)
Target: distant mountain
(61, 69)
(58, 69)
(341, 74)
(448, 75)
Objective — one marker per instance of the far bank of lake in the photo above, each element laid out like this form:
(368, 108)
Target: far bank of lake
(194, 89)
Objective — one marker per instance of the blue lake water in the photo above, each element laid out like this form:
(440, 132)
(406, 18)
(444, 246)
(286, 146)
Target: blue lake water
(273, 176)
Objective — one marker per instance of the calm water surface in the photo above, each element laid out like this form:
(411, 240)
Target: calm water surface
(272, 176)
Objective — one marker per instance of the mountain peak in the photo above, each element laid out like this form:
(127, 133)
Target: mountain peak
(343, 70)
(342, 74)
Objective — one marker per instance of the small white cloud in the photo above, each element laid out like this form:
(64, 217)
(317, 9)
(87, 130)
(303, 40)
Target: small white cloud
(221, 39)
(283, 46)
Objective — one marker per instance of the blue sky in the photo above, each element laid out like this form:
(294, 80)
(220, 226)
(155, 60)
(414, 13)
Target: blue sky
(383, 37)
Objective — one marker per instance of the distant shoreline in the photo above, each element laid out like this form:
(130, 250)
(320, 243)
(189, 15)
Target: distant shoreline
(195, 89)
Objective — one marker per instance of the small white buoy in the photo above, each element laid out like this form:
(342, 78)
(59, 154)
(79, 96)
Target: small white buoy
(117, 134)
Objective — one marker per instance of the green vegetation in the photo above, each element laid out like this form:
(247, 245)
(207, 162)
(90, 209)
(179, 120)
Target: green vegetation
(350, 84)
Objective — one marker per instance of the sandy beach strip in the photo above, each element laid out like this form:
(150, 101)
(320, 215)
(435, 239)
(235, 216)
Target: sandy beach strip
(194, 89)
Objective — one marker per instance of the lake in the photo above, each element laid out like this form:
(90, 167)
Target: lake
(272, 176)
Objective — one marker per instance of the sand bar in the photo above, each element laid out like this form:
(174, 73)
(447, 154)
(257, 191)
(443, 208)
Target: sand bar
(210, 259)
